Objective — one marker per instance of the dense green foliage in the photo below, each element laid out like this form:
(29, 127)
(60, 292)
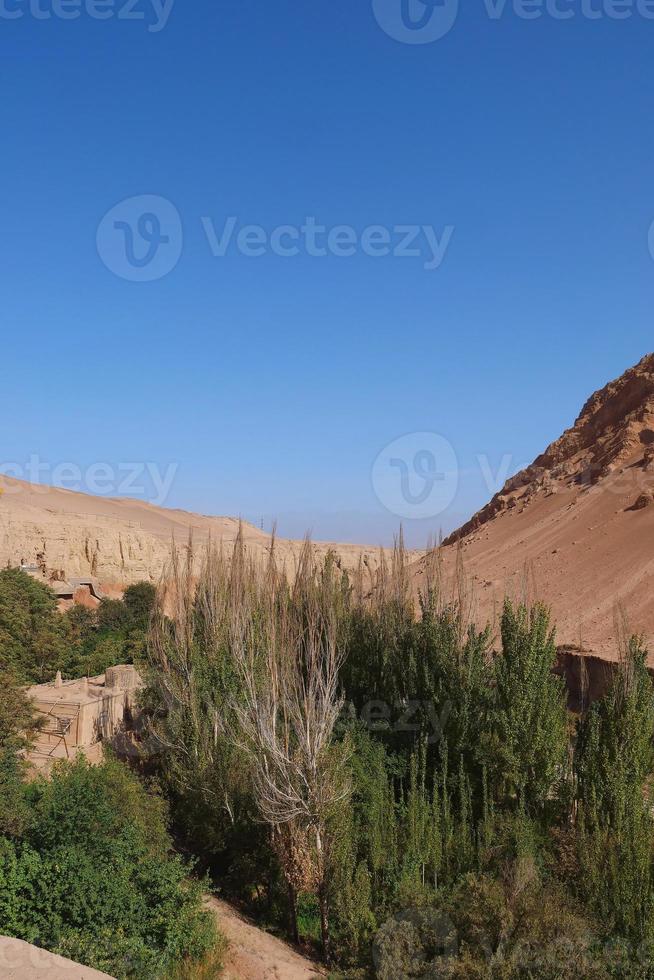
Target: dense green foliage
(16, 726)
(86, 863)
(458, 822)
(488, 832)
(36, 640)
(114, 633)
(614, 762)
(89, 875)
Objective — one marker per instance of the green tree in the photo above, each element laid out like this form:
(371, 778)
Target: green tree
(613, 762)
(139, 600)
(16, 725)
(107, 650)
(113, 615)
(35, 639)
(114, 633)
(530, 710)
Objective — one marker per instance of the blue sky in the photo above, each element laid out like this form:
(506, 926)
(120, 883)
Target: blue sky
(271, 384)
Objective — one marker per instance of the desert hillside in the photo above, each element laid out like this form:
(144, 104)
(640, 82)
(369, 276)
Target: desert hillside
(576, 528)
(118, 541)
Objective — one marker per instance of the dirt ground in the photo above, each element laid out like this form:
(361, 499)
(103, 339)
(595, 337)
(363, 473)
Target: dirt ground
(256, 955)
(252, 955)
(20, 961)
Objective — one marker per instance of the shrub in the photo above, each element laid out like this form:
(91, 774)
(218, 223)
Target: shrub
(139, 600)
(16, 724)
(93, 879)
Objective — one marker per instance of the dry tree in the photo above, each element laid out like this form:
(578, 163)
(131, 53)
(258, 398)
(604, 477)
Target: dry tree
(245, 666)
(191, 676)
(287, 646)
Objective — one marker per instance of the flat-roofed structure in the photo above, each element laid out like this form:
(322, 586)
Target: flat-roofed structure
(85, 590)
(81, 714)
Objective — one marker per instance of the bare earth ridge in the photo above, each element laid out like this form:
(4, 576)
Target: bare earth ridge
(119, 541)
(576, 528)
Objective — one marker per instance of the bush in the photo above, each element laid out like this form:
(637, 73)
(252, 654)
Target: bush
(139, 600)
(92, 878)
(16, 724)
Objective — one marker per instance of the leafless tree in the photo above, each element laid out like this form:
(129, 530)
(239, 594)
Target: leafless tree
(288, 652)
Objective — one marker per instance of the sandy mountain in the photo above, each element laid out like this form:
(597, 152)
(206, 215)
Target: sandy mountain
(118, 541)
(576, 528)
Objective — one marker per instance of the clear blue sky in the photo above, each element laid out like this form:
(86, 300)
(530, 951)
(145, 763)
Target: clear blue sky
(272, 383)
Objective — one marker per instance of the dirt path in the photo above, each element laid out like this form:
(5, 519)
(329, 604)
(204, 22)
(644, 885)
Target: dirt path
(20, 961)
(256, 955)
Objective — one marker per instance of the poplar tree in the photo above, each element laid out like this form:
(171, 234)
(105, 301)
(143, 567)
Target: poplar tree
(614, 760)
(530, 717)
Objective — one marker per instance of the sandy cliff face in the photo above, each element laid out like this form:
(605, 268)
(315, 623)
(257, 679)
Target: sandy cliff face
(615, 429)
(119, 541)
(576, 528)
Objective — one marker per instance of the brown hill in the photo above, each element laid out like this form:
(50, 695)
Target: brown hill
(118, 541)
(576, 528)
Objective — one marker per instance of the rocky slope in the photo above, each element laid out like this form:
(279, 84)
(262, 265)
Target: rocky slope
(119, 541)
(576, 528)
